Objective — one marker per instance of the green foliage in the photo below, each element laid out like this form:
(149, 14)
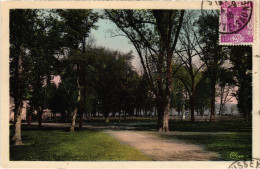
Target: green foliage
(111, 83)
(241, 58)
(202, 95)
(40, 41)
(111, 77)
(223, 143)
(221, 137)
(213, 55)
(154, 34)
(64, 97)
(180, 88)
(76, 26)
(22, 28)
(56, 145)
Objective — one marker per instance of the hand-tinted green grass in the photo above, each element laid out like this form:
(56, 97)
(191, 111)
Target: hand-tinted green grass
(224, 138)
(232, 140)
(58, 145)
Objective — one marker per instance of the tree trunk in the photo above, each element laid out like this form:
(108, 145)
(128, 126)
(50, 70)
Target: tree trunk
(72, 127)
(82, 86)
(17, 138)
(212, 98)
(81, 83)
(163, 120)
(125, 114)
(106, 113)
(183, 112)
(192, 101)
(166, 118)
(119, 115)
(39, 113)
(95, 110)
(29, 117)
(200, 110)
(221, 100)
(80, 119)
(164, 102)
(83, 91)
(114, 114)
(160, 111)
(163, 116)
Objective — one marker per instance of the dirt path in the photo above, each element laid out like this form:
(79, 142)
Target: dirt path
(151, 144)
(162, 150)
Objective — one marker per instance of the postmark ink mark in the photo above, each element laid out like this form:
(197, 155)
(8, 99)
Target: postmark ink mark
(254, 163)
(236, 22)
(235, 15)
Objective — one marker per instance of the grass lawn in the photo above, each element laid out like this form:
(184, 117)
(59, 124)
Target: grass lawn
(232, 140)
(50, 144)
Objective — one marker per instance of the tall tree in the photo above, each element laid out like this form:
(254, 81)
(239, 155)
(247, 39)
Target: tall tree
(42, 53)
(225, 88)
(154, 34)
(180, 90)
(213, 55)
(22, 26)
(241, 58)
(188, 53)
(202, 94)
(77, 26)
(111, 73)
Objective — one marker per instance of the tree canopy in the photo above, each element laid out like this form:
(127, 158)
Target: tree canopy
(183, 65)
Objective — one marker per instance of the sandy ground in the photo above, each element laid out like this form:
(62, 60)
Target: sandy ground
(150, 144)
(160, 149)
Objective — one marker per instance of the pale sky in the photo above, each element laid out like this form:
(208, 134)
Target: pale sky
(104, 36)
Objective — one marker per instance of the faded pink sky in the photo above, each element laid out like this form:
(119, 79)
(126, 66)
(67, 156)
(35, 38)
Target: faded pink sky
(56, 80)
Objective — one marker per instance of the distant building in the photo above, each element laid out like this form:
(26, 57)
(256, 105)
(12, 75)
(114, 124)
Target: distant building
(45, 116)
(11, 109)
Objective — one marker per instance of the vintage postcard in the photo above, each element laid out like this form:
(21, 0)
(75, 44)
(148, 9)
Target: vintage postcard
(130, 84)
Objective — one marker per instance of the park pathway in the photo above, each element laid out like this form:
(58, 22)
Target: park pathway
(160, 149)
(150, 143)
